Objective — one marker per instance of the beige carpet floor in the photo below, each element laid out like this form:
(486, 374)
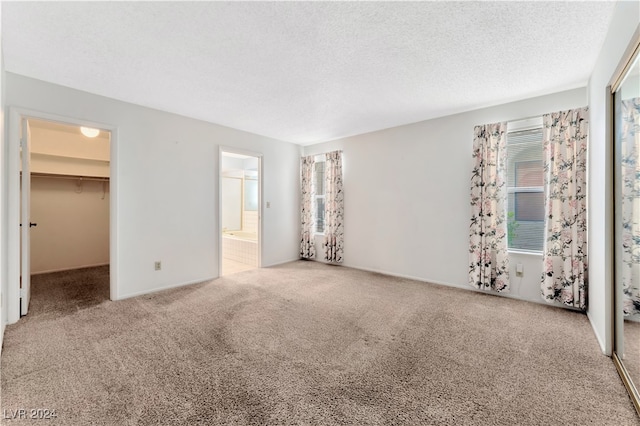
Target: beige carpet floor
(305, 344)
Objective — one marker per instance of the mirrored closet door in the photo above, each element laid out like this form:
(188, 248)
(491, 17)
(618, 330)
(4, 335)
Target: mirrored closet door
(626, 125)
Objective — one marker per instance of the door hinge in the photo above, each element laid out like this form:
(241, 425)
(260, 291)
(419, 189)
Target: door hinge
(23, 293)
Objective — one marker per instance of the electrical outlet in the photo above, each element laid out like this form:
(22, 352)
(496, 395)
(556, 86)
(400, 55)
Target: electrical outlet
(158, 265)
(519, 270)
(268, 204)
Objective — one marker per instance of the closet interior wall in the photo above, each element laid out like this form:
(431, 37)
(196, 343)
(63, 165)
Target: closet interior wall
(69, 198)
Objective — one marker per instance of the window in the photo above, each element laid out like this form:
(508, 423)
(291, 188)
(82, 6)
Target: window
(525, 214)
(318, 181)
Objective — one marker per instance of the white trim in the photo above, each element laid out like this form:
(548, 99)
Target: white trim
(525, 252)
(603, 347)
(2, 336)
(168, 287)
(465, 287)
(239, 151)
(13, 200)
(13, 217)
(531, 123)
(282, 263)
(72, 268)
(410, 277)
(319, 158)
(515, 189)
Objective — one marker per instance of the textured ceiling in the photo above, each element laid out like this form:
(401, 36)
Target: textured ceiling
(308, 72)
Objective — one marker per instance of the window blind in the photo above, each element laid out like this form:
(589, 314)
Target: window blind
(525, 207)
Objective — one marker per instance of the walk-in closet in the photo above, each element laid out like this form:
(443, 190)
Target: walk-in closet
(69, 210)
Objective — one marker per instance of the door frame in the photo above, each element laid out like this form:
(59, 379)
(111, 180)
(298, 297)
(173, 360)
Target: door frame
(25, 217)
(16, 114)
(231, 150)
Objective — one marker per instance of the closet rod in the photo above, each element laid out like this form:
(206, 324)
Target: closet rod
(55, 176)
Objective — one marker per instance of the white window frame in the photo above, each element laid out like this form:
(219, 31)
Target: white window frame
(318, 159)
(532, 123)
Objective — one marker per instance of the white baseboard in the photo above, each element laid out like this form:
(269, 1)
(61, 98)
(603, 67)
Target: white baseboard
(155, 290)
(464, 287)
(2, 336)
(409, 277)
(280, 263)
(72, 268)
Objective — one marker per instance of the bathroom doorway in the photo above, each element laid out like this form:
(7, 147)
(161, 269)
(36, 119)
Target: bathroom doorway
(240, 211)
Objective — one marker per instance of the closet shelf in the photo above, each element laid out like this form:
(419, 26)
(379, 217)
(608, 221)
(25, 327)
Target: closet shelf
(74, 177)
(43, 154)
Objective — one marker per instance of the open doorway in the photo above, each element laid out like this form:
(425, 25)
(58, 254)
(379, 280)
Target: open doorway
(240, 212)
(65, 200)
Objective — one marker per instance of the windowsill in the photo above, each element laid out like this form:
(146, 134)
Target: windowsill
(525, 252)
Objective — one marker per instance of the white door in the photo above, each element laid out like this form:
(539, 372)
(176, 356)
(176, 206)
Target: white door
(25, 195)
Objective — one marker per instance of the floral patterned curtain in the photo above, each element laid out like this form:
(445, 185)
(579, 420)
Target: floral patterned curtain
(630, 149)
(565, 137)
(489, 260)
(334, 208)
(307, 243)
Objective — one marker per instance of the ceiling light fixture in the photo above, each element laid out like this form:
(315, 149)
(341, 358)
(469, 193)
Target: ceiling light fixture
(89, 132)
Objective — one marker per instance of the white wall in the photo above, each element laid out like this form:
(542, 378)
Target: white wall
(406, 192)
(73, 224)
(3, 198)
(623, 24)
(167, 185)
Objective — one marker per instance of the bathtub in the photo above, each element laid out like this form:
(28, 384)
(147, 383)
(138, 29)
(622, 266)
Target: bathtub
(240, 246)
(241, 235)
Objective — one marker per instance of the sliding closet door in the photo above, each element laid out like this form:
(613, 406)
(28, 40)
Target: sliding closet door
(626, 109)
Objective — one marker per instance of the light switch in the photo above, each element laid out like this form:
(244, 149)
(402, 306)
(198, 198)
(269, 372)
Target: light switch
(268, 204)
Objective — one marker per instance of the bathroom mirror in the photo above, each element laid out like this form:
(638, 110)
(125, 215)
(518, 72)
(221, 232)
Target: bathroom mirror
(231, 199)
(626, 136)
(250, 194)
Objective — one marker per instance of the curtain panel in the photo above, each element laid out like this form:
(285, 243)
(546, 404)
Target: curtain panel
(630, 206)
(488, 256)
(307, 243)
(565, 138)
(334, 208)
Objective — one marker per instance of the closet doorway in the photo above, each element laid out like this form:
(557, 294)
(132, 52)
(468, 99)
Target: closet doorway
(65, 216)
(240, 211)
